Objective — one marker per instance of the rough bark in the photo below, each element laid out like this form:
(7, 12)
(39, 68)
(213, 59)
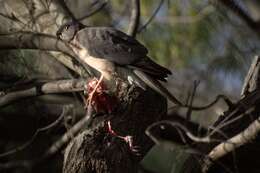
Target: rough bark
(100, 152)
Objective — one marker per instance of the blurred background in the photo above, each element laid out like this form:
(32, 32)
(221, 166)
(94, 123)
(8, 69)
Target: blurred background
(198, 40)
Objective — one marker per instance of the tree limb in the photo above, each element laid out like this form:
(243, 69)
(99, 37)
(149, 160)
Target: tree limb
(135, 18)
(55, 147)
(234, 7)
(46, 42)
(252, 77)
(61, 86)
(31, 40)
(246, 136)
(144, 26)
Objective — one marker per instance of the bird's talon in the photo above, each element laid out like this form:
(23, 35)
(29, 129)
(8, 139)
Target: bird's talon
(135, 150)
(128, 139)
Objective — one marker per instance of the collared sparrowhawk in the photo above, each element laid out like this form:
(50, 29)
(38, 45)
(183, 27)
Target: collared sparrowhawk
(111, 51)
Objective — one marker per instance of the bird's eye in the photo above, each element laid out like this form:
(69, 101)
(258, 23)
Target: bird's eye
(67, 27)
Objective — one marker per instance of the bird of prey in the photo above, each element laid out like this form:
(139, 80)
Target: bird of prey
(111, 52)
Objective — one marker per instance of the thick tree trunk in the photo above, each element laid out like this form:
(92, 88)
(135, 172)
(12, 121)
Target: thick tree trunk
(98, 151)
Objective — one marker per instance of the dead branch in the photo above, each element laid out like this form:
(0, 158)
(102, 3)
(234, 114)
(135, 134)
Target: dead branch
(237, 133)
(67, 10)
(62, 86)
(46, 42)
(238, 126)
(31, 40)
(246, 136)
(135, 18)
(84, 123)
(176, 129)
(29, 142)
(144, 26)
(99, 7)
(252, 78)
(235, 7)
(55, 147)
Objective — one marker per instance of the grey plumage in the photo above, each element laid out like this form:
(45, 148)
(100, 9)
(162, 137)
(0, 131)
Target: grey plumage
(113, 48)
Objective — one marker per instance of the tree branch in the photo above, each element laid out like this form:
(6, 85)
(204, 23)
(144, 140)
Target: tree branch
(61, 86)
(135, 18)
(99, 7)
(175, 129)
(19, 148)
(31, 40)
(40, 41)
(234, 7)
(144, 26)
(56, 146)
(66, 9)
(252, 77)
(246, 136)
(240, 124)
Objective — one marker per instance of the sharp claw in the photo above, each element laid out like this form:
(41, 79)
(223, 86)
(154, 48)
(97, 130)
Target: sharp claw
(91, 94)
(135, 150)
(128, 139)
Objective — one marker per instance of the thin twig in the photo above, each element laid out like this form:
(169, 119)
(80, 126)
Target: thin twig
(52, 125)
(84, 123)
(188, 114)
(235, 7)
(96, 10)
(67, 10)
(185, 130)
(71, 133)
(144, 26)
(200, 108)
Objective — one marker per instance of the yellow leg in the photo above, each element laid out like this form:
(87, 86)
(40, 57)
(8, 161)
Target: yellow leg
(94, 90)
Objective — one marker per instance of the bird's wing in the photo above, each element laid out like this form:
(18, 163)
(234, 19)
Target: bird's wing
(116, 46)
(157, 86)
(151, 68)
(111, 44)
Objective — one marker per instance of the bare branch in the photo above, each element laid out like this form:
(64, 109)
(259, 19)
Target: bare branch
(204, 107)
(182, 133)
(29, 142)
(99, 6)
(56, 146)
(40, 41)
(97, 9)
(66, 9)
(190, 101)
(152, 17)
(79, 68)
(237, 133)
(31, 40)
(234, 7)
(61, 86)
(246, 136)
(251, 81)
(175, 129)
(84, 123)
(135, 18)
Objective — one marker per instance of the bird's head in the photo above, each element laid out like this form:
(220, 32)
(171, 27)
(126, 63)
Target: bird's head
(68, 31)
